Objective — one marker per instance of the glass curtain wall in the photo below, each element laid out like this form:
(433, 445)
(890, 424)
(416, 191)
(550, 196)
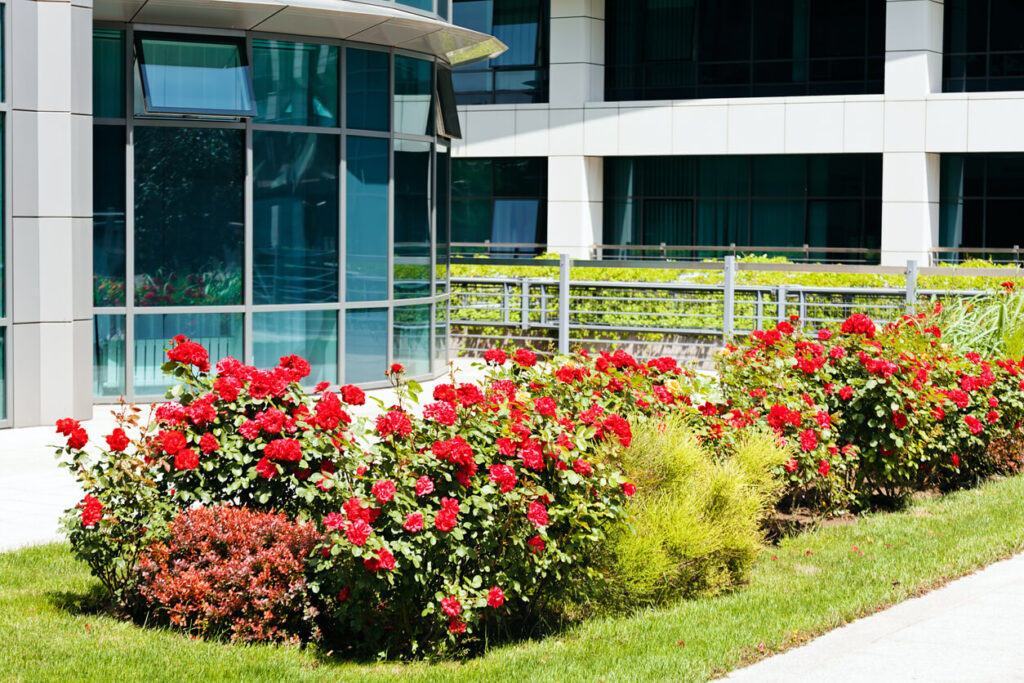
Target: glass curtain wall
(982, 199)
(5, 223)
(499, 200)
(683, 49)
(521, 73)
(308, 228)
(824, 201)
(983, 45)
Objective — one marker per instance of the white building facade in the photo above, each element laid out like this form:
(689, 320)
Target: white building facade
(927, 102)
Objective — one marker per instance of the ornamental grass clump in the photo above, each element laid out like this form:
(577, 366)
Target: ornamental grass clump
(696, 523)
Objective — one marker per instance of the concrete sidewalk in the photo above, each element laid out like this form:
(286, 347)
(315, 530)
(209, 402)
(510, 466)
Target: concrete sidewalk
(34, 491)
(971, 630)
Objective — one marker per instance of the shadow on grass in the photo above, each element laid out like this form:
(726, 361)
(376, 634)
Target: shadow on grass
(94, 601)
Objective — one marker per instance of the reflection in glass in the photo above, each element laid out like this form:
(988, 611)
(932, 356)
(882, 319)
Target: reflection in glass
(412, 219)
(219, 333)
(413, 90)
(3, 374)
(366, 83)
(186, 75)
(295, 83)
(108, 363)
(440, 335)
(295, 218)
(107, 73)
(442, 228)
(108, 223)
(412, 345)
(366, 219)
(418, 4)
(501, 200)
(189, 216)
(310, 334)
(366, 345)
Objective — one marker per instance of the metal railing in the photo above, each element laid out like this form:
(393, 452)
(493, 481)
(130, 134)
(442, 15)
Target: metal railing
(683, 317)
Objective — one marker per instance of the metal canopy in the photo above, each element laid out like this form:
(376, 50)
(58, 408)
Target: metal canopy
(338, 19)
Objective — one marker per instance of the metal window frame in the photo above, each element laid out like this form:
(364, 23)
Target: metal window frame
(341, 132)
(6, 319)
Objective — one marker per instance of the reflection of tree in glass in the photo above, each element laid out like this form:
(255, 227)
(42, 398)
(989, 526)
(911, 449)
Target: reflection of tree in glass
(189, 208)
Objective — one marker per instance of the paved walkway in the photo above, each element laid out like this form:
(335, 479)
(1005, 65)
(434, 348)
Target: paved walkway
(971, 630)
(34, 491)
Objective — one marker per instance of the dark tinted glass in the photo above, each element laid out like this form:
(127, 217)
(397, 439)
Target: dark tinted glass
(412, 219)
(412, 335)
(108, 362)
(107, 73)
(310, 334)
(189, 216)
(295, 83)
(366, 219)
(983, 45)
(295, 218)
(108, 222)
(679, 49)
(366, 94)
(981, 204)
(499, 200)
(414, 87)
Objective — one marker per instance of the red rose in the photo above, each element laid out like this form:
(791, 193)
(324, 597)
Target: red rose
(495, 597)
(285, 450)
(824, 335)
(344, 594)
(790, 466)
(899, 420)
(334, 520)
(92, 510)
(67, 425)
(537, 514)
(424, 486)
(504, 476)
(457, 626)
(525, 358)
(118, 440)
(393, 422)
(629, 489)
(582, 467)
(451, 606)
(447, 517)
(186, 459)
(208, 443)
(249, 430)
(414, 522)
(956, 460)
(846, 393)
(824, 468)
(441, 412)
(495, 356)
(353, 395)
(808, 440)
(265, 468)
(992, 416)
(358, 531)
(383, 490)
(189, 353)
(396, 369)
(536, 544)
(974, 424)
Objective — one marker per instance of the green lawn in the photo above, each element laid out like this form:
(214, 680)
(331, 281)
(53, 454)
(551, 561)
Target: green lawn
(809, 584)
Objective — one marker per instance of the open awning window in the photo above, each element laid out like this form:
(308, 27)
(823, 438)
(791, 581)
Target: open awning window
(447, 116)
(197, 75)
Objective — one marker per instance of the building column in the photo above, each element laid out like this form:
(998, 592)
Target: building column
(575, 189)
(910, 176)
(51, 250)
(576, 72)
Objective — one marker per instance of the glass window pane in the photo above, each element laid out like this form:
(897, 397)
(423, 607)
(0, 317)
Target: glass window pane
(107, 73)
(413, 90)
(183, 75)
(412, 219)
(412, 338)
(108, 223)
(367, 84)
(310, 334)
(440, 335)
(366, 219)
(442, 229)
(108, 359)
(220, 333)
(366, 345)
(418, 4)
(295, 83)
(295, 218)
(189, 216)
(471, 219)
(472, 177)
(3, 374)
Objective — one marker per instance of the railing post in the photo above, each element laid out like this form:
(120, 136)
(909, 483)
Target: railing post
(729, 299)
(563, 304)
(781, 310)
(524, 303)
(911, 301)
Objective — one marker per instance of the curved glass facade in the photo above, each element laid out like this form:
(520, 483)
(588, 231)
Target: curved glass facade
(317, 226)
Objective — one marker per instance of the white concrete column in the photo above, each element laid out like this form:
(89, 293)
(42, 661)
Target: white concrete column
(577, 52)
(910, 176)
(51, 269)
(575, 190)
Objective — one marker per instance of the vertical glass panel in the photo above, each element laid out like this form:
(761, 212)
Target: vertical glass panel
(107, 73)
(295, 218)
(186, 75)
(412, 338)
(108, 356)
(366, 89)
(412, 219)
(108, 223)
(471, 220)
(220, 333)
(418, 4)
(440, 335)
(442, 228)
(310, 334)
(295, 83)
(366, 219)
(413, 90)
(189, 216)
(3, 373)
(366, 345)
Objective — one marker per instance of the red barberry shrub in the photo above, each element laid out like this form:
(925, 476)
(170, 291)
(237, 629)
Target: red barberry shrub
(232, 572)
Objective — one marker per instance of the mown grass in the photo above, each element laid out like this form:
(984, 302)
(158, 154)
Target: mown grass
(806, 585)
